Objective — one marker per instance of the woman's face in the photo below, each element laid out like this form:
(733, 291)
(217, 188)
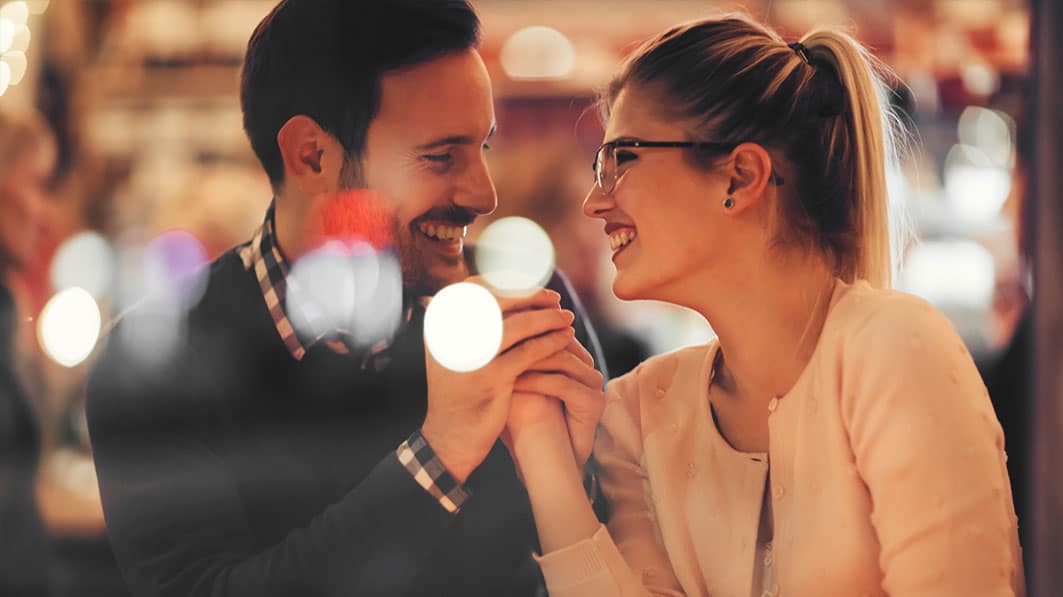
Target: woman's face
(22, 207)
(669, 210)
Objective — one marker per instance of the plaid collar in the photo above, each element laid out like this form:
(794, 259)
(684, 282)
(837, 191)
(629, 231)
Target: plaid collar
(264, 256)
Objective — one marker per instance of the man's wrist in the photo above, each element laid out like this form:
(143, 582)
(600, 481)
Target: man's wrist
(419, 458)
(452, 452)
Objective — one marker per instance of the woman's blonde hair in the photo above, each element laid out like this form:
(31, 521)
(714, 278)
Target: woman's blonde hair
(821, 102)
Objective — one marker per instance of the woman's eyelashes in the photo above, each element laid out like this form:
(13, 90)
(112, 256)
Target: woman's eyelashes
(625, 156)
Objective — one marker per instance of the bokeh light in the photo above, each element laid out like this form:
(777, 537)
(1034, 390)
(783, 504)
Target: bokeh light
(538, 52)
(975, 186)
(980, 79)
(16, 62)
(20, 40)
(515, 256)
(69, 326)
(37, 6)
(321, 291)
(5, 76)
(85, 260)
(15, 11)
(176, 263)
(988, 130)
(949, 273)
(463, 327)
(152, 330)
(7, 34)
(347, 288)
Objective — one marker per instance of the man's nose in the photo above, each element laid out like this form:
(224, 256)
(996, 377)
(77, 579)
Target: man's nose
(477, 191)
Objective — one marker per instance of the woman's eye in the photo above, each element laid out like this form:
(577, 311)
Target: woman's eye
(439, 158)
(625, 156)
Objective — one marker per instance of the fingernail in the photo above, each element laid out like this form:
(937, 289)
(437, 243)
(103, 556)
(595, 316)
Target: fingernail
(569, 315)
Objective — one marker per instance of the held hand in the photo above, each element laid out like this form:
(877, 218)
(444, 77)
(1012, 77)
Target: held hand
(467, 411)
(565, 378)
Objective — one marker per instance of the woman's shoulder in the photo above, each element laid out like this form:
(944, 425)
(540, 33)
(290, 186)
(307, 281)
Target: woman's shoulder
(874, 319)
(883, 341)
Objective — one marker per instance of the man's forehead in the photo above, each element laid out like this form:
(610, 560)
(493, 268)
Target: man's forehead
(447, 97)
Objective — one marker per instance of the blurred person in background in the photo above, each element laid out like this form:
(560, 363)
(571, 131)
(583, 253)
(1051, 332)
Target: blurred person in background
(27, 157)
(1008, 376)
(267, 458)
(836, 438)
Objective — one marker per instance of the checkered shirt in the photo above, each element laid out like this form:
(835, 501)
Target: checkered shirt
(263, 256)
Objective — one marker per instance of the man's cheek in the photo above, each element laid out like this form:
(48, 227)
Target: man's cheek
(359, 215)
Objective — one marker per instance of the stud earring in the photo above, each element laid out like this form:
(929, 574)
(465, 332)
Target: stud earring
(728, 203)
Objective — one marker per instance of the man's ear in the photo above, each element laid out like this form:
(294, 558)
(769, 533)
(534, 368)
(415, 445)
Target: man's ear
(750, 170)
(303, 144)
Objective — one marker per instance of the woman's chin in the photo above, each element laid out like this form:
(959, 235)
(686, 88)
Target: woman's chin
(626, 287)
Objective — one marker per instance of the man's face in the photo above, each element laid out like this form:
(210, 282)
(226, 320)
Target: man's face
(424, 155)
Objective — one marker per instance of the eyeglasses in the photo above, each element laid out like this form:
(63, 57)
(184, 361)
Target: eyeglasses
(606, 167)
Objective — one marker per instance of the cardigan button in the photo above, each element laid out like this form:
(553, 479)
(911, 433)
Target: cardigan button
(780, 492)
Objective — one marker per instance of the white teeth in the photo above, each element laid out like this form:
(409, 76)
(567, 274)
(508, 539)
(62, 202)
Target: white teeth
(621, 238)
(442, 231)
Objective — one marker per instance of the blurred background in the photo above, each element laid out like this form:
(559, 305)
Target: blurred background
(151, 160)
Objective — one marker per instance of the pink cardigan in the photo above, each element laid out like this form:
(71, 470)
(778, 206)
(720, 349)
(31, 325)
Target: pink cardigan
(887, 473)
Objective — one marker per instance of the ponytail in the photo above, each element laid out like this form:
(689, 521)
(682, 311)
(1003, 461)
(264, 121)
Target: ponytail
(873, 133)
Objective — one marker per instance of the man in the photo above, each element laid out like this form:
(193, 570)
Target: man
(263, 459)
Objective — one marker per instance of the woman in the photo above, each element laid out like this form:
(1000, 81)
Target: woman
(836, 439)
(26, 161)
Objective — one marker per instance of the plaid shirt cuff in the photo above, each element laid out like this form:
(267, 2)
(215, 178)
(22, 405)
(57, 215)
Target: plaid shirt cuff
(417, 456)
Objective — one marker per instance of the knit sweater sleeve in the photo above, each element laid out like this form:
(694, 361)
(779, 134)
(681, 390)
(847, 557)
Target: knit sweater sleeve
(929, 448)
(626, 557)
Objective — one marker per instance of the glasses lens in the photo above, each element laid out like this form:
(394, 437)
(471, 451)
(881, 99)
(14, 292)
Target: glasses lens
(605, 168)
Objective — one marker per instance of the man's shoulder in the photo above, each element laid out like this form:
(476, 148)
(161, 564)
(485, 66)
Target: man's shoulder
(161, 357)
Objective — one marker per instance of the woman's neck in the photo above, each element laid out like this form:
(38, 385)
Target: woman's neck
(768, 324)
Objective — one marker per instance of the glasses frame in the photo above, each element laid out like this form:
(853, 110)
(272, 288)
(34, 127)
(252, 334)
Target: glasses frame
(612, 146)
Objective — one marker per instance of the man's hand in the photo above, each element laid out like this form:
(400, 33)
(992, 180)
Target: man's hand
(467, 411)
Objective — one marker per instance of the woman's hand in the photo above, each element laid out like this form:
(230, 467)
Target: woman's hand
(564, 387)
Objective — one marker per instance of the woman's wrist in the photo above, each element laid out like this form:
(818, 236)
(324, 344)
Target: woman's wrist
(563, 514)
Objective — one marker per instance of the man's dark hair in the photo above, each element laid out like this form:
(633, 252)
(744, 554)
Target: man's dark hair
(324, 59)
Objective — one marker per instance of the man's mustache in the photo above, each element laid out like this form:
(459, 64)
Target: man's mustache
(452, 214)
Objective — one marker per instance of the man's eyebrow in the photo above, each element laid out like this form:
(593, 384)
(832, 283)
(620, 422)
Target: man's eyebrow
(454, 140)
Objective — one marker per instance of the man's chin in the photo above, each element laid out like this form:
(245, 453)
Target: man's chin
(430, 278)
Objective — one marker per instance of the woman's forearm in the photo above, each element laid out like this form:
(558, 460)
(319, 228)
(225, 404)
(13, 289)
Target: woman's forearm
(563, 515)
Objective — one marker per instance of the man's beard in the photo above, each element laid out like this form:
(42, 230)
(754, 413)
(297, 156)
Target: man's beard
(423, 272)
(359, 212)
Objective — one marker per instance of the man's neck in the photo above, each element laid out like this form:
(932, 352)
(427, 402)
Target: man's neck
(295, 232)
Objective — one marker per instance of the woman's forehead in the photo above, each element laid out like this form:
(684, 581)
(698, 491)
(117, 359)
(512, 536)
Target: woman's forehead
(637, 114)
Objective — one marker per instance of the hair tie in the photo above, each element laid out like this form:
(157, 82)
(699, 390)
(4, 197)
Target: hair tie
(802, 51)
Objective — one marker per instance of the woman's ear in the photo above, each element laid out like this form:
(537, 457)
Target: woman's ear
(750, 170)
